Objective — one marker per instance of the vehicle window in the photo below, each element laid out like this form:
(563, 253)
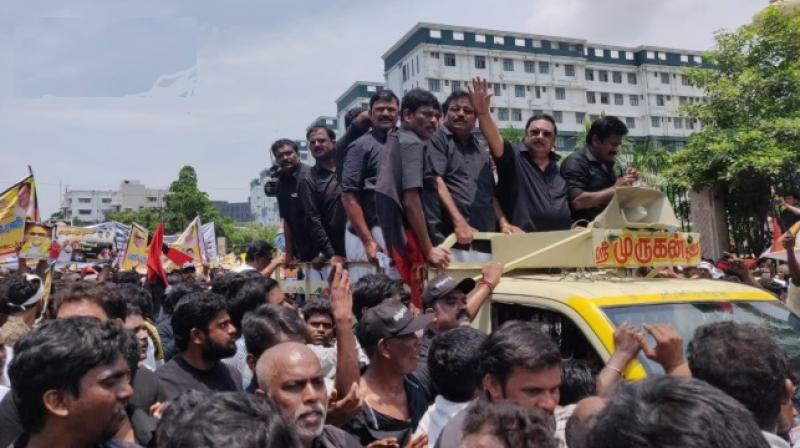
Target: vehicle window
(686, 317)
(570, 339)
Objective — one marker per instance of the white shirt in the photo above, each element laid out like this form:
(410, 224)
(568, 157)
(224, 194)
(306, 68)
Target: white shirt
(243, 268)
(775, 441)
(239, 362)
(437, 416)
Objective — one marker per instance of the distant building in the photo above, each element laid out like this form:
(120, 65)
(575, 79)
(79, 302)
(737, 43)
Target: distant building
(331, 123)
(91, 205)
(263, 208)
(571, 79)
(237, 211)
(357, 94)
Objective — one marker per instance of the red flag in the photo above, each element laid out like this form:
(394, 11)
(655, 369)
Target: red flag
(176, 256)
(155, 270)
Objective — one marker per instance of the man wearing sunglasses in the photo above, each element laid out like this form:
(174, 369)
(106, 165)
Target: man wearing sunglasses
(530, 188)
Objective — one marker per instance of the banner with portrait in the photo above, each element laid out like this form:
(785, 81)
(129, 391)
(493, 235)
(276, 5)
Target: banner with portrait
(17, 205)
(135, 254)
(37, 241)
(83, 244)
(190, 242)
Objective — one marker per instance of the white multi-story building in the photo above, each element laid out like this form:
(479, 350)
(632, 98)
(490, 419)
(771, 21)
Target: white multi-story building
(358, 94)
(571, 79)
(91, 205)
(264, 208)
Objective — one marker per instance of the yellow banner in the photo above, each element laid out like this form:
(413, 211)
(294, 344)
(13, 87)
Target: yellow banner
(136, 250)
(632, 249)
(38, 238)
(189, 242)
(17, 205)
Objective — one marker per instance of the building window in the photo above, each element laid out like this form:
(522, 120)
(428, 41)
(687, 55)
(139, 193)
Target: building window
(682, 100)
(499, 40)
(630, 123)
(655, 122)
(580, 117)
(677, 122)
(455, 86)
(480, 38)
(436, 34)
(684, 58)
(519, 91)
(516, 115)
(685, 80)
(457, 35)
(698, 60)
(544, 67)
(496, 87)
(602, 75)
(519, 42)
(598, 52)
(629, 55)
(603, 98)
(616, 77)
(106, 200)
(660, 100)
(83, 211)
(589, 74)
(689, 123)
(662, 56)
(434, 55)
(502, 114)
(619, 99)
(536, 43)
(665, 78)
(508, 64)
(449, 60)
(480, 62)
(614, 54)
(561, 93)
(530, 67)
(631, 78)
(651, 55)
(434, 85)
(405, 73)
(152, 199)
(538, 91)
(558, 116)
(84, 200)
(590, 98)
(569, 70)
(634, 100)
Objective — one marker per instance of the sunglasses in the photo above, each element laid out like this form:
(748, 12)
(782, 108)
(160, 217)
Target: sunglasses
(543, 132)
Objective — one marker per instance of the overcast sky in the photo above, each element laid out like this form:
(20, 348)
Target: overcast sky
(93, 92)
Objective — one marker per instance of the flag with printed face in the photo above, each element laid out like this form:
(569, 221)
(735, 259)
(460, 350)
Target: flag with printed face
(191, 243)
(136, 249)
(17, 205)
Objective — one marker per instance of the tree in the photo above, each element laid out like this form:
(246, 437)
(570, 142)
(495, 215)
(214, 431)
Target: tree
(184, 201)
(512, 134)
(146, 217)
(749, 143)
(238, 237)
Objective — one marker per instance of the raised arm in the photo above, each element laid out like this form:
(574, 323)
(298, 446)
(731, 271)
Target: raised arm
(481, 99)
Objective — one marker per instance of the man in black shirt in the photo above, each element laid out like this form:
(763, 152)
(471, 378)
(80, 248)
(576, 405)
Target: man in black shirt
(464, 182)
(401, 193)
(321, 197)
(290, 208)
(364, 240)
(291, 375)
(789, 211)
(393, 401)
(589, 172)
(204, 335)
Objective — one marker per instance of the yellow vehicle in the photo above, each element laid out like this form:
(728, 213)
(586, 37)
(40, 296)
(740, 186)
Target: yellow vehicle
(581, 284)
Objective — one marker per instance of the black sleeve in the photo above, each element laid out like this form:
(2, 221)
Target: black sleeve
(353, 168)
(319, 238)
(575, 176)
(343, 144)
(413, 164)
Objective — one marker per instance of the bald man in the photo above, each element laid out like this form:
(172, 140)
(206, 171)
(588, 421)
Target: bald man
(582, 421)
(290, 374)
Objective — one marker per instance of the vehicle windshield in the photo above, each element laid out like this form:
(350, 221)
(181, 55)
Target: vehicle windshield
(686, 317)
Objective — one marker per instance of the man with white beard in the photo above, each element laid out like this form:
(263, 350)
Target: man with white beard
(290, 374)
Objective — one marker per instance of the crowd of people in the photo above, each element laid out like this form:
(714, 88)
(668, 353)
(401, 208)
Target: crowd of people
(382, 359)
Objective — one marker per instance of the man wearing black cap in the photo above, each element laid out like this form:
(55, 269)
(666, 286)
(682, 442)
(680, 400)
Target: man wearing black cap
(393, 401)
(452, 304)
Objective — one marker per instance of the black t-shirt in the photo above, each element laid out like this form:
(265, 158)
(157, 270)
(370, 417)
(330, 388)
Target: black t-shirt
(787, 218)
(422, 374)
(177, 377)
(333, 437)
(584, 173)
(360, 171)
(291, 210)
(532, 199)
(467, 172)
(321, 196)
(370, 425)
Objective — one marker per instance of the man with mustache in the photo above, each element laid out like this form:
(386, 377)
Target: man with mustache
(589, 172)
(290, 207)
(290, 374)
(205, 335)
(530, 189)
(364, 240)
(403, 187)
(464, 183)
